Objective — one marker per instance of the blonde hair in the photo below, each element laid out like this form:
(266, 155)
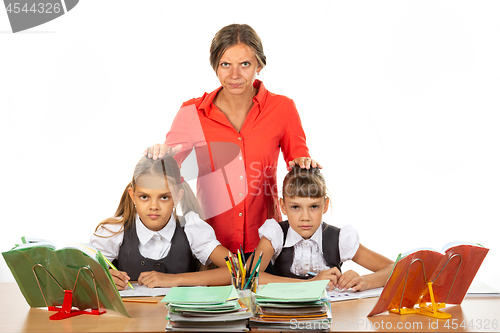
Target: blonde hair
(234, 34)
(169, 169)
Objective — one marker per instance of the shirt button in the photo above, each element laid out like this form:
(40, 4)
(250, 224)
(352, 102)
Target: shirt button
(240, 214)
(241, 176)
(143, 263)
(241, 157)
(158, 265)
(239, 138)
(241, 194)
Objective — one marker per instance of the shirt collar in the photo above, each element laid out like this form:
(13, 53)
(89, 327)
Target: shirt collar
(207, 106)
(293, 238)
(144, 234)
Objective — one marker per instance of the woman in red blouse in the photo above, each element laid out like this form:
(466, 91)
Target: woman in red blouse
(237, 132)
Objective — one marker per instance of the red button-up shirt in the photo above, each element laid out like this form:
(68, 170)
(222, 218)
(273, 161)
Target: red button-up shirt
(236, 171)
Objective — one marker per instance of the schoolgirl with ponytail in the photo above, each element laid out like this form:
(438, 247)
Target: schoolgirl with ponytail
(146, 239)
(304, 247)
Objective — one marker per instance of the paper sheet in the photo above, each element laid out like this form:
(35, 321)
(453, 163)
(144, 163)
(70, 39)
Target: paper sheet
(481, 289)
(140, 291)
(337, 295)
(293, 292)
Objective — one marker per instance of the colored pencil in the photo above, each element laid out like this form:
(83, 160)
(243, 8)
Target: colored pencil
(132, 300)
(233, 263)
(228, 266)
(249, 269)
(242, 267)
(243, 255)
(255, 272)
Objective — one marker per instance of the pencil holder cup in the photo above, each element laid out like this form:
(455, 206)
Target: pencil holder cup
(235, 282)
(247, 297)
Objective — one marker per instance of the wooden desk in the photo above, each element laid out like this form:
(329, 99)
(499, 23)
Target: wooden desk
(351, 316)
(17, 316)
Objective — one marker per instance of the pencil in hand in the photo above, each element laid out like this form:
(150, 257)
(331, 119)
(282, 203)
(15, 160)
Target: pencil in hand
(113, 267)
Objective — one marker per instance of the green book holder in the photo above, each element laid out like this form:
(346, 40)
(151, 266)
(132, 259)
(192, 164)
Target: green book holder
(67, 281)
(67, 310)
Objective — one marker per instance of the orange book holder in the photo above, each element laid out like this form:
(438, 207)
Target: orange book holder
(424, 308)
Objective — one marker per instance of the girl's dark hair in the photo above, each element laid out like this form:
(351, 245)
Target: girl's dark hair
(169, 169)
(305, 183)
(234, 34)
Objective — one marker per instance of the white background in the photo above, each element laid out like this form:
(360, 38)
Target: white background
(399, 101)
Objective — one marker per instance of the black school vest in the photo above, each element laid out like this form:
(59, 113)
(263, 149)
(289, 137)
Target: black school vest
(331, 251)
(179, 259)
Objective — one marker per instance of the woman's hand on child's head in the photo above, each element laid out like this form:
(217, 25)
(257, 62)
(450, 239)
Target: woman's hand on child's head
(154, 279)
(351, 279)
(332, 274)
(159, 150)
(304, 163)
(120, 278)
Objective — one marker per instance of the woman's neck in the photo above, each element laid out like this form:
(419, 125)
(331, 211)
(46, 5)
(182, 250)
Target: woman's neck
(235, 107)
(235, 104)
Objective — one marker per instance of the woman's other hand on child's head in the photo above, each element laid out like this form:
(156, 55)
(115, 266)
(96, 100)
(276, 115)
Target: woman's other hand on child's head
(159, 150)
(304, 163)
(332, 274)
(155, 279)
(120, 278)
(351, 279)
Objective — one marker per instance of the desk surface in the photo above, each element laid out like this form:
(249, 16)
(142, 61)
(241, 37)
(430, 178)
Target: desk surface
(17, 316)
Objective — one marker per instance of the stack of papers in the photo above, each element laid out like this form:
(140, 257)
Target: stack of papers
(206, 309)
(292, 306)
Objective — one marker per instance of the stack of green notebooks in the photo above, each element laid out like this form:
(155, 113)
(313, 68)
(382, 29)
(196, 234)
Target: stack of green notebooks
(292, 306)
(206, 309)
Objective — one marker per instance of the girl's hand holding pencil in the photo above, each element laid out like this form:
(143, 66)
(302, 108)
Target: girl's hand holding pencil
(332, 274)
(120, 278)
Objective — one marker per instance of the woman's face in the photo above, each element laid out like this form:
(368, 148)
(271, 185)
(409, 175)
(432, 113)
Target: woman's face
(237, 69)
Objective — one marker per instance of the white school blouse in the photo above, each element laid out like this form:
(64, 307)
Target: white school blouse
(156, 244)
(308, 253)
